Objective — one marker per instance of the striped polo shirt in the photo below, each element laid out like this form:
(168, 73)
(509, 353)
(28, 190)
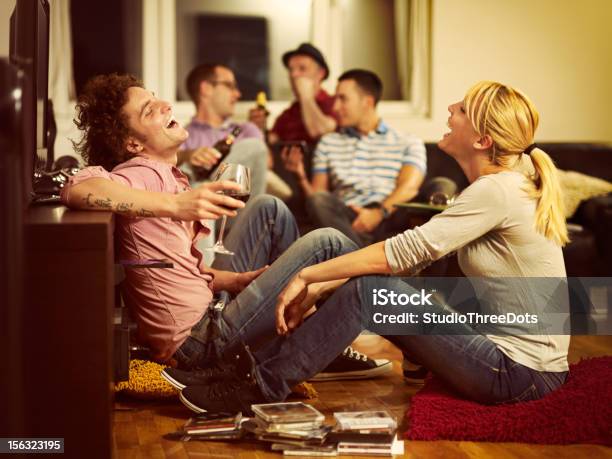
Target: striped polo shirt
(364, 168)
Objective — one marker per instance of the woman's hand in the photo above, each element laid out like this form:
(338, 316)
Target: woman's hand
(291, 305)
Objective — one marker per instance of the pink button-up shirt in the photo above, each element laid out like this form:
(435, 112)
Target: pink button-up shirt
(166, 303)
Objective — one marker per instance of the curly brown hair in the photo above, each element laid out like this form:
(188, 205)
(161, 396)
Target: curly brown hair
(104, 125)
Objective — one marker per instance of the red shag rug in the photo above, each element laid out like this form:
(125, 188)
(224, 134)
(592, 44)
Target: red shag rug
(578, 412)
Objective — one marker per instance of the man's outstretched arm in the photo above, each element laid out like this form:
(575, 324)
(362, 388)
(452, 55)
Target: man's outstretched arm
(204, 202)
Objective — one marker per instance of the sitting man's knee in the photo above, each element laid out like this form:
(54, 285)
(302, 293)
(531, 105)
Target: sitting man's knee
(271, 206)
(330, 236)
(265, 201)
(250, 150)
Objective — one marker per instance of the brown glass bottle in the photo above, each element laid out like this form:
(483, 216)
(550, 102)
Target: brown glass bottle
(223, 146)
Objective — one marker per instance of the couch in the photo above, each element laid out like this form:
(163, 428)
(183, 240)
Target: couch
(589, 253)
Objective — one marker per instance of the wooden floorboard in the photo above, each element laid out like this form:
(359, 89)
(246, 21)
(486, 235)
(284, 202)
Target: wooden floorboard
(139, 426)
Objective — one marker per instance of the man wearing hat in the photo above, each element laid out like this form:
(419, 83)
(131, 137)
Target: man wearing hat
(311, 115)
(308, 118)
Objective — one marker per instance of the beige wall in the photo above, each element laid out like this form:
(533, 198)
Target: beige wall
(558, 51)
(6, 8)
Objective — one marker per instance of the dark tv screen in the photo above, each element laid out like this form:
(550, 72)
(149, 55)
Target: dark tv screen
(29, 51)
(42, 73)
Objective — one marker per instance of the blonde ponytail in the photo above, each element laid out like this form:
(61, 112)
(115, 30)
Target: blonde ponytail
(549, 217)
(510, 119)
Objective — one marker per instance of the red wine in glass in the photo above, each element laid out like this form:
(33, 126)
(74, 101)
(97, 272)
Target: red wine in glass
(240, 195)
(242, 176)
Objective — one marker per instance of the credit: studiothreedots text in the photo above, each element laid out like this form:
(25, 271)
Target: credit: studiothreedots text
(528, 306)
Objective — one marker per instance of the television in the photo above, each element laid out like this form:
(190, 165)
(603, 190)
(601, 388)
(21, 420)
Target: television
(29, 52)
(12, 82)
(24, 151)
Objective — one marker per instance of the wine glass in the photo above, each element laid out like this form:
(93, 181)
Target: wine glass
(233, 173)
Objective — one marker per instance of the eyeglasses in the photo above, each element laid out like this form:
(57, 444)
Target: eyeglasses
(231, 85)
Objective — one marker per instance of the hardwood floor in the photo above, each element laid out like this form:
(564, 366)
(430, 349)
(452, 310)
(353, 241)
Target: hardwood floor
(139, 426)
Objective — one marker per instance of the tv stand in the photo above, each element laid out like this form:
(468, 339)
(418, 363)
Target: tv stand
(68, 336)
(46, 199)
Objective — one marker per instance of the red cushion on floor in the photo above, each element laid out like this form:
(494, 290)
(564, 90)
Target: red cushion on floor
(578, 412)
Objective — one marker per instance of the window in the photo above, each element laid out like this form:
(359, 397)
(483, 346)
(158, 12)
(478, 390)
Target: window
(390, 37)
(216, 40)
(94, 49)
(339, 28)
(247, 36)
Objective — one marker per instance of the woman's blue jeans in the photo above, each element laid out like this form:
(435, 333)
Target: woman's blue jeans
(469, 363)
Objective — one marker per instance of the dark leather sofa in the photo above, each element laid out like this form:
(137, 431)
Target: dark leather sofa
(590, 251)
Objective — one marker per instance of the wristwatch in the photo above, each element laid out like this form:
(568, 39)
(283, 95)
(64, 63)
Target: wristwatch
(378, 205)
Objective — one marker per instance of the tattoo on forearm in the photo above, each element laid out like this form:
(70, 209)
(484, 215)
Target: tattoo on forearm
(145, 213)
(125, 208)
(87, 200)
(90, 201)
(104, 203)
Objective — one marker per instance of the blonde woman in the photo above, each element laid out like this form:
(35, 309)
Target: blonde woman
(503, 225)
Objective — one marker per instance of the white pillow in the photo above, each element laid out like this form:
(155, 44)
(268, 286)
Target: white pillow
(579, 187)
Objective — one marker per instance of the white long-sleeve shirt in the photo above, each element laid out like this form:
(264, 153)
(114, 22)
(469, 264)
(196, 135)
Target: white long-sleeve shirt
(491, 225)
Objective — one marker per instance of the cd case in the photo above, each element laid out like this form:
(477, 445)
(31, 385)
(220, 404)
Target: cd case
(287, 412)
(357, 420)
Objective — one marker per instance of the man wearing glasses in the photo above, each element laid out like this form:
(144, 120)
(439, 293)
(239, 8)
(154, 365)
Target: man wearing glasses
(214, 91)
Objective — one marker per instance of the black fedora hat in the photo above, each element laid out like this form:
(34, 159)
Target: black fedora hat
(306, 49)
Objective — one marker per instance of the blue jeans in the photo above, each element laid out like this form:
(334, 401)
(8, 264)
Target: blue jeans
(328, 210)
(264, 233)
(469, 363)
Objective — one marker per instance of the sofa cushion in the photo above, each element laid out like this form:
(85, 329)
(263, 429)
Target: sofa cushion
(579, 187)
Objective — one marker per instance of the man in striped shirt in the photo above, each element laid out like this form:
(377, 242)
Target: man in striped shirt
(360, 172)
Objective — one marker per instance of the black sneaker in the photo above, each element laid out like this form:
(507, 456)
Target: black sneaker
(231, 396)
(235, 393)
(353, 365)
(413, 372)
(179, 379)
